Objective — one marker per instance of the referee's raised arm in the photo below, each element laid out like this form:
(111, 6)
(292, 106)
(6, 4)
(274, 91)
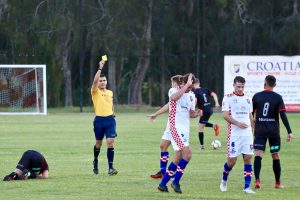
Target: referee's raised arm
(97, 75)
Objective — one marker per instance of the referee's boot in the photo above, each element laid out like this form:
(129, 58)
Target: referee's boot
(112, 171)
(95, 164)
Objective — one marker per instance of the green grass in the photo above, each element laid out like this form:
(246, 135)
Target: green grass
(66, 139)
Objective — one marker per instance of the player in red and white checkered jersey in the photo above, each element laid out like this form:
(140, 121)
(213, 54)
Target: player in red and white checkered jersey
(237, 111)
(181, 108)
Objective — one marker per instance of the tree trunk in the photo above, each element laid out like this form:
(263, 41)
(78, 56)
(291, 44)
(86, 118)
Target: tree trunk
(82, 38)
(67, 69)
(162, 75)
(150, 96)
(112, 76)
(136, 82)
(93, 65)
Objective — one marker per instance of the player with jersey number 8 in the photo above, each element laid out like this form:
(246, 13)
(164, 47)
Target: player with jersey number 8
(267, 106)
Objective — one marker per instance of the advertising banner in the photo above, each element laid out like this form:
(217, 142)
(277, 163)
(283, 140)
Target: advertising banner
(254, 69)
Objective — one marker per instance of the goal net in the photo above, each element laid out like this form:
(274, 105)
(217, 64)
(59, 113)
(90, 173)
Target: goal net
(23, 90)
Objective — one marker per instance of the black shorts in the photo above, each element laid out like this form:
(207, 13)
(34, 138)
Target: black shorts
(260, 144)
(32, 160)
(205, 117)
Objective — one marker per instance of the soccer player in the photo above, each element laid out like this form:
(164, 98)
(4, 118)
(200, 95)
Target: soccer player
(181, 108)
(267, 105)
(31, 165)
(203, 103)
(176, 81)
(104, 122)
(237, 111)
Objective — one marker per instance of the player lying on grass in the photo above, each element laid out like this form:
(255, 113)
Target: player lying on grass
(31, 165)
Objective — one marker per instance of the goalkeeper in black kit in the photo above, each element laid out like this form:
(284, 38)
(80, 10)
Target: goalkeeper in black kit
(31, 165)
(267, 106)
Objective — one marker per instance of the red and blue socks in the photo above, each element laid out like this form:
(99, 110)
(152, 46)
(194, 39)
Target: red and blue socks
(180, 170)
(226, 172)
(247, 175)
(164, 158)
(169, 173)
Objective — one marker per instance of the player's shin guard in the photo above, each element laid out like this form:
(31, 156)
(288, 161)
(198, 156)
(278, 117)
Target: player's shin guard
(110, 157)
(170, 172)
(180, 170)
(257, 166)
(277, 169)
(164, 158)
(226, 172)
(96, 152)
(247, 175)
(201, 138)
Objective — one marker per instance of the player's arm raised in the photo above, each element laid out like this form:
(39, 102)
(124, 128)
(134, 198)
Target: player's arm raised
(177, 95)
(97, 75)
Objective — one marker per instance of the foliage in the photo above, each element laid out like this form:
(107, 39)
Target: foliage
(187, 36)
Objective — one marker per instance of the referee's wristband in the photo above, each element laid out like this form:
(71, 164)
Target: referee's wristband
(99, 69)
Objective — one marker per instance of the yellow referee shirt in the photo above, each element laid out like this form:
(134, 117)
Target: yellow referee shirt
(103, 102)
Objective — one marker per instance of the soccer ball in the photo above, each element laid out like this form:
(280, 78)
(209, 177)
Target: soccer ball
(216, 144)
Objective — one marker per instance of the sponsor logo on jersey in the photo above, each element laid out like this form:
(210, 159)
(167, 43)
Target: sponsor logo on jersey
(266, 119)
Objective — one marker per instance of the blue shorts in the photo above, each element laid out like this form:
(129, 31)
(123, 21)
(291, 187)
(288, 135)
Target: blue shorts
(105, 126)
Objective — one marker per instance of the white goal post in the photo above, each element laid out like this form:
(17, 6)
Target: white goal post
(23, 90)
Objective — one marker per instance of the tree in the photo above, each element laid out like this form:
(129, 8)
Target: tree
(136, 82)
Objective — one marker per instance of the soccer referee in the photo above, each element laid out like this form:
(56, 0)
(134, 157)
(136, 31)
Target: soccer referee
(104, 122)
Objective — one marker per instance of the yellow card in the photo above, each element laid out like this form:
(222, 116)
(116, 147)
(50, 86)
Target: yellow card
(104, 58)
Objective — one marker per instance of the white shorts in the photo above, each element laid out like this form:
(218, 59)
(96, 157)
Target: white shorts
(166, 136)
(239, 144)
(179, 139)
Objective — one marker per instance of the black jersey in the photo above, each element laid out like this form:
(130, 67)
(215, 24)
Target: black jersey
(202, 95)
(33, 161)
(267, 105)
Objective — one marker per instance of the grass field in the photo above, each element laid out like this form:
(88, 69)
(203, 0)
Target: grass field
(66, 139)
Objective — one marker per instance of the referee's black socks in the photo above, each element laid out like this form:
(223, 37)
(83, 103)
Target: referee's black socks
(110, 157)
(96, 152)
